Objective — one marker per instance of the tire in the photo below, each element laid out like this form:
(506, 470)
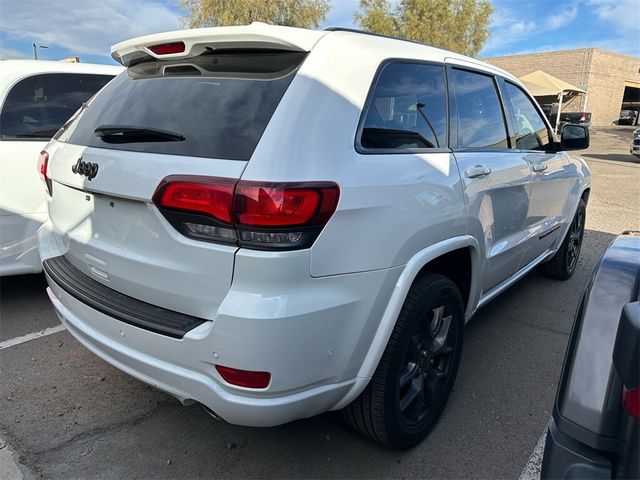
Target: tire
(424, 354)
(563, 264)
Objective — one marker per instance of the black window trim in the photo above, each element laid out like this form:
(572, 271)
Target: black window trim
(401, 151)
(552, 139)
(453, 108)
(33, 75)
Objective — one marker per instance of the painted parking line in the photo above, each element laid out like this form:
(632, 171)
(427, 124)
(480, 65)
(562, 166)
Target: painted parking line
(30, 336)
(531, 470)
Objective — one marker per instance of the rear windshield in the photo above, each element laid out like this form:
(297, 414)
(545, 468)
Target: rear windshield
(37, 106)
(215, 105)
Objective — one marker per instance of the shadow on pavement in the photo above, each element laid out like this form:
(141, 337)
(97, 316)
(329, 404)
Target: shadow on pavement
(15, 285)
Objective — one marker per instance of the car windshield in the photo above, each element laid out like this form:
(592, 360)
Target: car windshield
(220, 102)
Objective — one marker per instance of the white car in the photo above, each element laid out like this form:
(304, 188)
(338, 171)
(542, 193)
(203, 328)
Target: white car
(276, 222)
(36, 98)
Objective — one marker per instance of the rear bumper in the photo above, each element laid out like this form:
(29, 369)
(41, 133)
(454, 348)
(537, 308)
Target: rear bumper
(312, 340)
(567, 458)
(184, 382)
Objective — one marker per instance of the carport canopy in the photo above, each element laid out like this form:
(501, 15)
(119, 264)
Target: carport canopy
(542, 84)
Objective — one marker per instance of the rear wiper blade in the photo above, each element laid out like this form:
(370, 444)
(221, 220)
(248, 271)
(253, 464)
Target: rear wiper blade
(132, 134)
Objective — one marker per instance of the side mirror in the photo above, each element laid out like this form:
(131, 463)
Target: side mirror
(574, 137)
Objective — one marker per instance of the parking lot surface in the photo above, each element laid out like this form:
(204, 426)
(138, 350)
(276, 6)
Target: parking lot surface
(64, 413)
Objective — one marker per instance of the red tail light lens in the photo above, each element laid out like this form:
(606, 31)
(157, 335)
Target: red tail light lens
(168, 48)
(631, 401)
(43, 166)
(250, 214)
(205, 195)
(284, 205)
(244, 378)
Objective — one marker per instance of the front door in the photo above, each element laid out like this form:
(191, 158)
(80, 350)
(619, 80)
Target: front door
(496, 179)
(551, 175)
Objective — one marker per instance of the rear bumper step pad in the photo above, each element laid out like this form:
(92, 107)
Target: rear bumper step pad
(117, 305)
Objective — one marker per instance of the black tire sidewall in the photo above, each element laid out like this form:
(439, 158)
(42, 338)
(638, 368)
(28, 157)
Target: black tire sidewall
(565, 244)
(439, 291)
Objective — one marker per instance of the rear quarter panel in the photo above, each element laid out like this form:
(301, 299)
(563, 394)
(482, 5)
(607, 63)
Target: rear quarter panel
(391, 205)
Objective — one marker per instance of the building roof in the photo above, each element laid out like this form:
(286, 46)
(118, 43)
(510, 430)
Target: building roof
(541, 84)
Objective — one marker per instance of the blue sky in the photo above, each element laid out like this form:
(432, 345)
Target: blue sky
(88, 28)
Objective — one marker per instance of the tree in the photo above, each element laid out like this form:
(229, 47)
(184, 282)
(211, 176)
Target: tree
(292, 13)
(457, 25)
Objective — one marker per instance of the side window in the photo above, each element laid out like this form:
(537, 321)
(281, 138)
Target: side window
(36, 107)
(530, 131)
(408, 109)
(480, 118)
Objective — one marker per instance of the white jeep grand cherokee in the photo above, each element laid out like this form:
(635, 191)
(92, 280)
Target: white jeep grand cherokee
(276, 222)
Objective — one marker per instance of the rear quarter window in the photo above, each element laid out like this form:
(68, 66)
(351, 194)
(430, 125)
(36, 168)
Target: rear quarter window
(407, 109)
(37, 106)
(220, 102)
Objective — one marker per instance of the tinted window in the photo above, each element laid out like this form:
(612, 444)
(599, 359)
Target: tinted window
(220, 102)
(480, 118)
(36, 107)
(530, 131)
(407, 109)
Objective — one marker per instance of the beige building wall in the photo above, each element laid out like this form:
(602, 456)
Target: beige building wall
(602, 74)
(608, 74)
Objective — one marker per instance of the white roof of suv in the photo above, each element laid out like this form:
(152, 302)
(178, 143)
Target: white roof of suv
(289, 38)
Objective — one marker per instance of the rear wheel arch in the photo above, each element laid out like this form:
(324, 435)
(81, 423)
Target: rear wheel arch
(458, 266)
(427, 261)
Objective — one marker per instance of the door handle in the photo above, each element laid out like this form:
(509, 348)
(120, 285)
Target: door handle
(539, 167)
(477, 171)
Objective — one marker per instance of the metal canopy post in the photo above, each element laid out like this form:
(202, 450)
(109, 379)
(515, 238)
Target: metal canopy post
(559, 110)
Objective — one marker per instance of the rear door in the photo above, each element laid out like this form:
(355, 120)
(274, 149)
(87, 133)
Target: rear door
(200, 116)
(552, 173)
(496, 181)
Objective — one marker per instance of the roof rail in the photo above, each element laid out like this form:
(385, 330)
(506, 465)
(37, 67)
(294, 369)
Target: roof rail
(364, 32)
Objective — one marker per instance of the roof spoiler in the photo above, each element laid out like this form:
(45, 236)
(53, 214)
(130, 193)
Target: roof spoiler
(197, 41)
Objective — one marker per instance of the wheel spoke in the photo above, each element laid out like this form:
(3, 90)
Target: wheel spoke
(415, 391)
(441, 335)
(438, 313)
(409, 373)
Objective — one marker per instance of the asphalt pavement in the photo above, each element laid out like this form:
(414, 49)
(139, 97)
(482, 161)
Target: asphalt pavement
(64, 413)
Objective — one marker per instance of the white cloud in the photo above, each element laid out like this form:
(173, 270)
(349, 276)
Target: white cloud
(619, 13)
(9, 53)
(84, 26)
(512, 22)
(562, 18)
(341, 14)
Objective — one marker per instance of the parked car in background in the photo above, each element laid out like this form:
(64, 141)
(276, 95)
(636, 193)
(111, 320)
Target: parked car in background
(627, 117)
(294, 221)
(634, 147)
(594, 432)
(36, 98)
(577, 118)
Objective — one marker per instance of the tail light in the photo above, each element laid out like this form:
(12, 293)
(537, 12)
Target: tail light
(631, 401)
(583, 117)
(43, 166)
(244, 378)
(266, 216)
